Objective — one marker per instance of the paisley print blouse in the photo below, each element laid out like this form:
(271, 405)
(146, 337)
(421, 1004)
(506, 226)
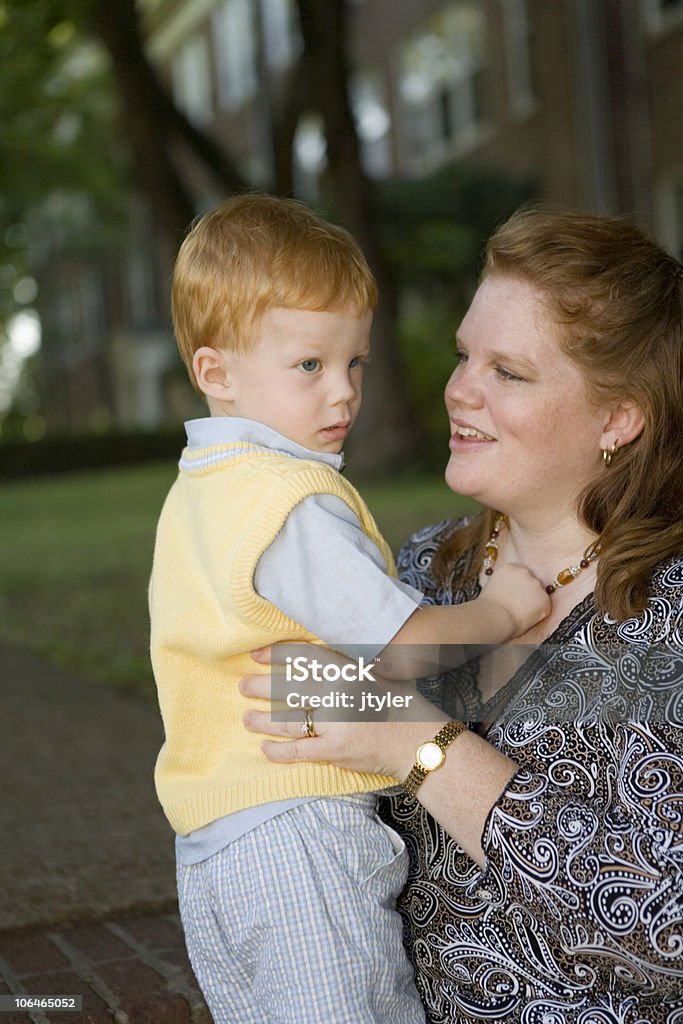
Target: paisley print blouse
(577, 917)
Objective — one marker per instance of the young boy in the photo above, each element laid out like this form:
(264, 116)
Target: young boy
(286, 877)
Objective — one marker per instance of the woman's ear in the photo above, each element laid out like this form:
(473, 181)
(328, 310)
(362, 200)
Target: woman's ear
(625, 423)
(211, 370)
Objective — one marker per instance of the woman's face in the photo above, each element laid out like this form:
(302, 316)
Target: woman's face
(525, 439)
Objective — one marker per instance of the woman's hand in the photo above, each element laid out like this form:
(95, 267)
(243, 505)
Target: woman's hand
(382, 730)
(460, 795)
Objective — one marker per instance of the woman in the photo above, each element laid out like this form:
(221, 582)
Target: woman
(548, 885)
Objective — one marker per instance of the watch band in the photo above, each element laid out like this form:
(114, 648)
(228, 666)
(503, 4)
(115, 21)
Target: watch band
(419, 772)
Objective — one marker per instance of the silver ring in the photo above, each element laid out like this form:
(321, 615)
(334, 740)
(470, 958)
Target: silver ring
(307, 727)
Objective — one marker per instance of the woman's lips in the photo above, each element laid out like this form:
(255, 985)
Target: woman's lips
(465, 437)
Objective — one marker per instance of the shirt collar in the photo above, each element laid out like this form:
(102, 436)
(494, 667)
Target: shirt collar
(212, 430)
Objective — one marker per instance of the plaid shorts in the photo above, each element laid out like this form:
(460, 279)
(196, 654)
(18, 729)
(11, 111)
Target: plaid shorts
(295, 922)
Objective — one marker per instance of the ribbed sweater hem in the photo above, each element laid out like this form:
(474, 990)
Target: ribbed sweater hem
(318, 780)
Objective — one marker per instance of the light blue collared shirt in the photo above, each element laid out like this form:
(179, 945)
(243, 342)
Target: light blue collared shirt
(322, 571)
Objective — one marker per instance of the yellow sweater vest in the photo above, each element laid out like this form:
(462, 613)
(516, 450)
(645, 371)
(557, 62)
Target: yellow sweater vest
(226, 507)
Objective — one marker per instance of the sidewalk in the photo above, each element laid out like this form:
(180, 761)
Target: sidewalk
(87, 889)
(127, 971)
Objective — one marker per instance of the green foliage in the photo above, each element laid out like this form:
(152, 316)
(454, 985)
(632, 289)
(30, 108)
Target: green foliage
(434, 229)
(460, 194)
(427, 348)
(69, 453)
(433, 232)
(56, 104)
(62, 169)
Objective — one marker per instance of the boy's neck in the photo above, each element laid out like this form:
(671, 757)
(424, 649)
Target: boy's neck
(216, 408)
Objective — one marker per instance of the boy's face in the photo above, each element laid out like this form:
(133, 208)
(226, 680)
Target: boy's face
(302, 376)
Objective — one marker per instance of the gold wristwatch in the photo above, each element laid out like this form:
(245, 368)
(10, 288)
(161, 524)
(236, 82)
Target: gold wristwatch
(431, 755)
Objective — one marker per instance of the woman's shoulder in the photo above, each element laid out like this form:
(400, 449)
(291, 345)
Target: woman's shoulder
(668, 576)
(415, 558)
(661, 621)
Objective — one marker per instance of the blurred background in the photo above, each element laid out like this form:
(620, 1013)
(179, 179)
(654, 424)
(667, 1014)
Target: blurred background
(418, 124)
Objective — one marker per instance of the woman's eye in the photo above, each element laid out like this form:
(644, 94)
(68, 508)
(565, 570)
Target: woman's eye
(460, 357)
(310, 365)
(506, 375)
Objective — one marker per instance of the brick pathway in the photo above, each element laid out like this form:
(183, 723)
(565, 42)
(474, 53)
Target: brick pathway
(84, 840)
(131, 970)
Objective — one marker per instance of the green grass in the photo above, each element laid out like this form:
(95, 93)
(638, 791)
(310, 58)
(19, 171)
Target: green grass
(76, 553)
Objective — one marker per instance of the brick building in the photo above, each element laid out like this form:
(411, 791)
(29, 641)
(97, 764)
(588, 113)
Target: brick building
(582, 96)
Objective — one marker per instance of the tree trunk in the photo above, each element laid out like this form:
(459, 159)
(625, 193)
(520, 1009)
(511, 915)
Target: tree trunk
(383, 437)
(156, 129)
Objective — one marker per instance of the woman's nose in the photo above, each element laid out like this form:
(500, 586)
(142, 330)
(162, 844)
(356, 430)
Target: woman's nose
(462, 388)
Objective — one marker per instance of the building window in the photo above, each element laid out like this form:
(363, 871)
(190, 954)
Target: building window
(372, 122)
(235, 49)
(281, 35)
(518, 49)
(192, 90)
(441, 83)
(310, 157)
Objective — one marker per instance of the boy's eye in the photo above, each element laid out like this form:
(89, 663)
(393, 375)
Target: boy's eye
(310, 365)
(355, 362)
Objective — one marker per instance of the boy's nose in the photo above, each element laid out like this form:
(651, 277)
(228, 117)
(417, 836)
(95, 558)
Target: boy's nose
(343, 390)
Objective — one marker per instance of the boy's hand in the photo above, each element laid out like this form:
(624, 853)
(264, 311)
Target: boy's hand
(520, 594)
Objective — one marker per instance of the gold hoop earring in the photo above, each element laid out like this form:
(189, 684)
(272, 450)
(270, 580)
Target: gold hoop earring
(608, 453)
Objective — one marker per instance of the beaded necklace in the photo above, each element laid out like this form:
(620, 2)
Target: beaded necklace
(563, 577)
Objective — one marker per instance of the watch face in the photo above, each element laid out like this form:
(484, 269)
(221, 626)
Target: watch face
(430, 756)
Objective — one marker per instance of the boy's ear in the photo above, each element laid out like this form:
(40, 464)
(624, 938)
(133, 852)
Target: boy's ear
(625, 424)
(211, 370)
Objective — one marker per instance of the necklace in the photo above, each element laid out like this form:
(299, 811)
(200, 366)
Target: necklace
(563, 577)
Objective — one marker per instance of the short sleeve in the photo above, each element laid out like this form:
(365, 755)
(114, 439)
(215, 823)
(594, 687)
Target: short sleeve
(324, 572)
